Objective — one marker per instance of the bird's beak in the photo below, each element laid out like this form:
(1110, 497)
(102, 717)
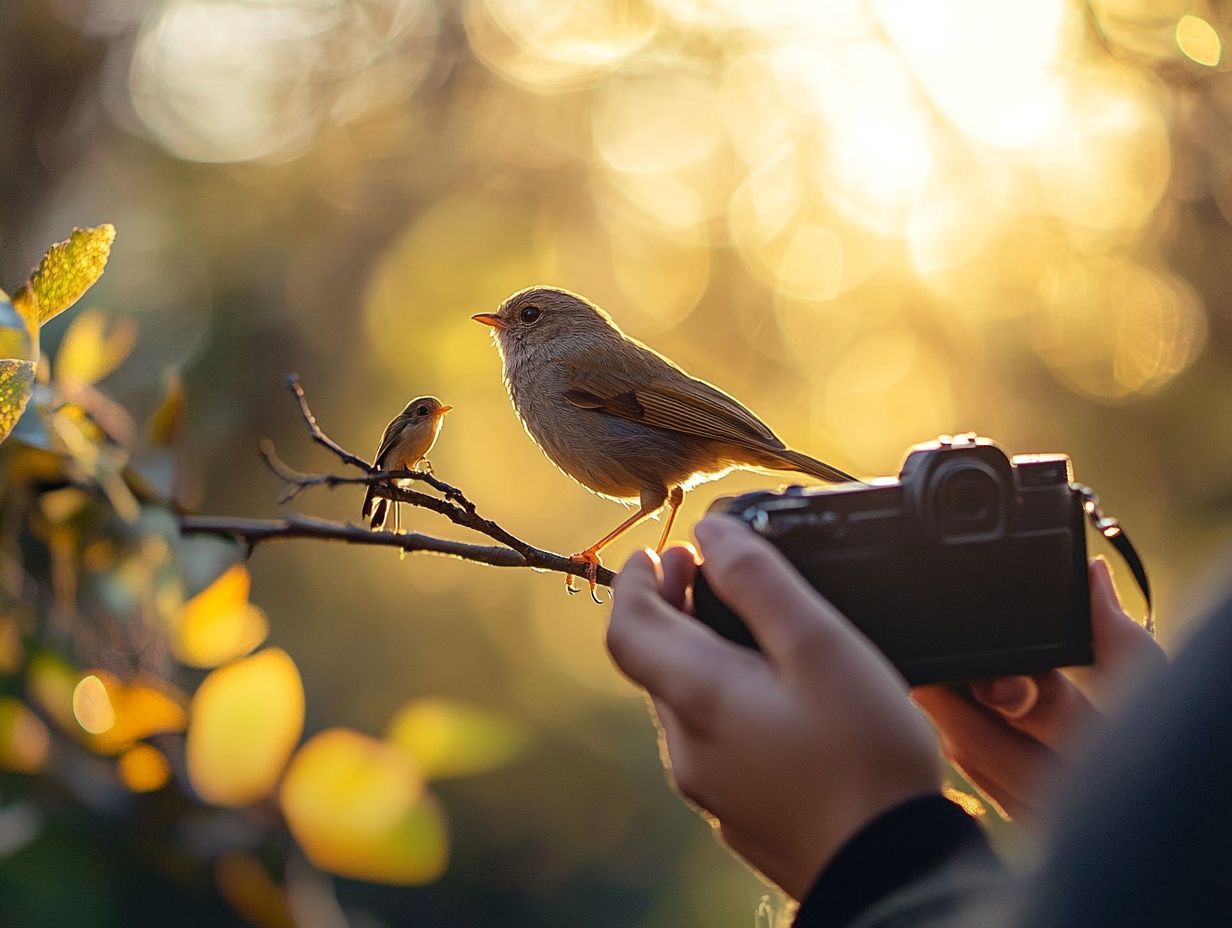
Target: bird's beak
(442, 410)
(489, 319)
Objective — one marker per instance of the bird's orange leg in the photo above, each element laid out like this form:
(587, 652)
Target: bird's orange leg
(590, 557)
(673, 504)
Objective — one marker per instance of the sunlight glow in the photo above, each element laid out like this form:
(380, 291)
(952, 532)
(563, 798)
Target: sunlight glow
(550, 45)
(1111, 328)
(92, 706)
(230, 80)
(991, 66)
(1198, 40)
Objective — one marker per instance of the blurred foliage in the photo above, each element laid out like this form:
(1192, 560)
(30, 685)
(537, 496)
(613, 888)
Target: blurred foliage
(873, 220)
(94, 576)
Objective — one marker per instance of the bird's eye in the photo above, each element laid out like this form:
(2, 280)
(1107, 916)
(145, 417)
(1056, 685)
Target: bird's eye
(422, 410)
(529, 314)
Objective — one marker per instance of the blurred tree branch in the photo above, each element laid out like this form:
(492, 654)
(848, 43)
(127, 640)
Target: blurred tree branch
(510, 550)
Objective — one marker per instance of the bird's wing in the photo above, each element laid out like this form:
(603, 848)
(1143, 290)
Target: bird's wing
(670, 399)
(393, 434)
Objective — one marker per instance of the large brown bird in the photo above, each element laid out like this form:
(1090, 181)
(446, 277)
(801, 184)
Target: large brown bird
(620, 418)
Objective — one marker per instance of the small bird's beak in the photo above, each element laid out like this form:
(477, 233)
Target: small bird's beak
(489, 319)
(442, 410)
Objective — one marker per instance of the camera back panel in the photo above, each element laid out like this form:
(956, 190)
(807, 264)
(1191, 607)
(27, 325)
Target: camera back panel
(945, 599)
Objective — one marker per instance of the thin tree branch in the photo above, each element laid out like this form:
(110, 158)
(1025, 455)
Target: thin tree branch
(315, 432)
(252, 531)
(453, 504)
(461, 513)
(347, 457)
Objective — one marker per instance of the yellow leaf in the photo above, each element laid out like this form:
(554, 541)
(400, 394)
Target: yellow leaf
(243, 881)
(357, 807)
(168, 419)
(61, 505)
(11, 651)
(68, 270)
(450, 739)
(114, 714)
(219, 623)
(24, 739)
(88, 352)
(143, 768)
(246, 719)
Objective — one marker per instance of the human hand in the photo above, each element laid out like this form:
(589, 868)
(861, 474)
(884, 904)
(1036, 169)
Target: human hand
(793, 750)
(1013, 737)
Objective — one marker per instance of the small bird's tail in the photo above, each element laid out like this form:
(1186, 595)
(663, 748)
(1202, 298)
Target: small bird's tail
(376, 508)
(795, 460)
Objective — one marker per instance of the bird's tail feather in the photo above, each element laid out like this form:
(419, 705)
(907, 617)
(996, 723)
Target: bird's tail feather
(376, 508)
(795, 460)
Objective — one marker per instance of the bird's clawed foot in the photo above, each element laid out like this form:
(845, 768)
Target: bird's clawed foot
(590, 558)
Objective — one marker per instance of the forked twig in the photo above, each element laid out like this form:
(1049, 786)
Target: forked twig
(453, 504)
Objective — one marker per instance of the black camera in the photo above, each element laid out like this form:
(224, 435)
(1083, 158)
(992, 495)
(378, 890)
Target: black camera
(969, 565)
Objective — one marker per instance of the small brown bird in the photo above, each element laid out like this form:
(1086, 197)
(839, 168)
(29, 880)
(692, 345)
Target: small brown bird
(618, 417)
(404, 446)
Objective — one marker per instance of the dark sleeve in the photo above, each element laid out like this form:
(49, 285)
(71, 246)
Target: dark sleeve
(897, 851)
(1144, 837)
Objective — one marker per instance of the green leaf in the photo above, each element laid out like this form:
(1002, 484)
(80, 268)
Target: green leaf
(68, 270)
(15, 338)
(16, 379)
(18, 353)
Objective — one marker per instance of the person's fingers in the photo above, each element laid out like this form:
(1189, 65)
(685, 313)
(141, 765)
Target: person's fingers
(678, 751)
(1116, 637)
(672, 655)
(1047, 706)
(1011, 697)
(1005, 763)
(679, 568)
(1123, 648)
(784, 614)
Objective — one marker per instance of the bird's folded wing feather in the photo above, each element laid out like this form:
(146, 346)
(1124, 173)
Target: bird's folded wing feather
(393, 434)
(677, 402)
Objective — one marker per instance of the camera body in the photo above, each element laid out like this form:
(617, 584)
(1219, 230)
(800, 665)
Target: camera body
(969, 565)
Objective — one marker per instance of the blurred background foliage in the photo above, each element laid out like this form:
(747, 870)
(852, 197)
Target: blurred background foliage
(873, 220)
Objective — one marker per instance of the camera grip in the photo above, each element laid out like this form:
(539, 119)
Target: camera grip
(715, 613)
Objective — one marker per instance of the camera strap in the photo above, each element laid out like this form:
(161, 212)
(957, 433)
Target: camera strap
(1111, 529)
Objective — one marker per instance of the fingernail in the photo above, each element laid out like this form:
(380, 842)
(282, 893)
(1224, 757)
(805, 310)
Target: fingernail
(1013, 697)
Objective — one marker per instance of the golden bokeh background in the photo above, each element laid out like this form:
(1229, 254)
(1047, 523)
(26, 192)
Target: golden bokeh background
(873, 220)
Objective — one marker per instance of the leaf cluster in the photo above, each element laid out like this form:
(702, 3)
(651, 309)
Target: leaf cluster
(136, 685)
